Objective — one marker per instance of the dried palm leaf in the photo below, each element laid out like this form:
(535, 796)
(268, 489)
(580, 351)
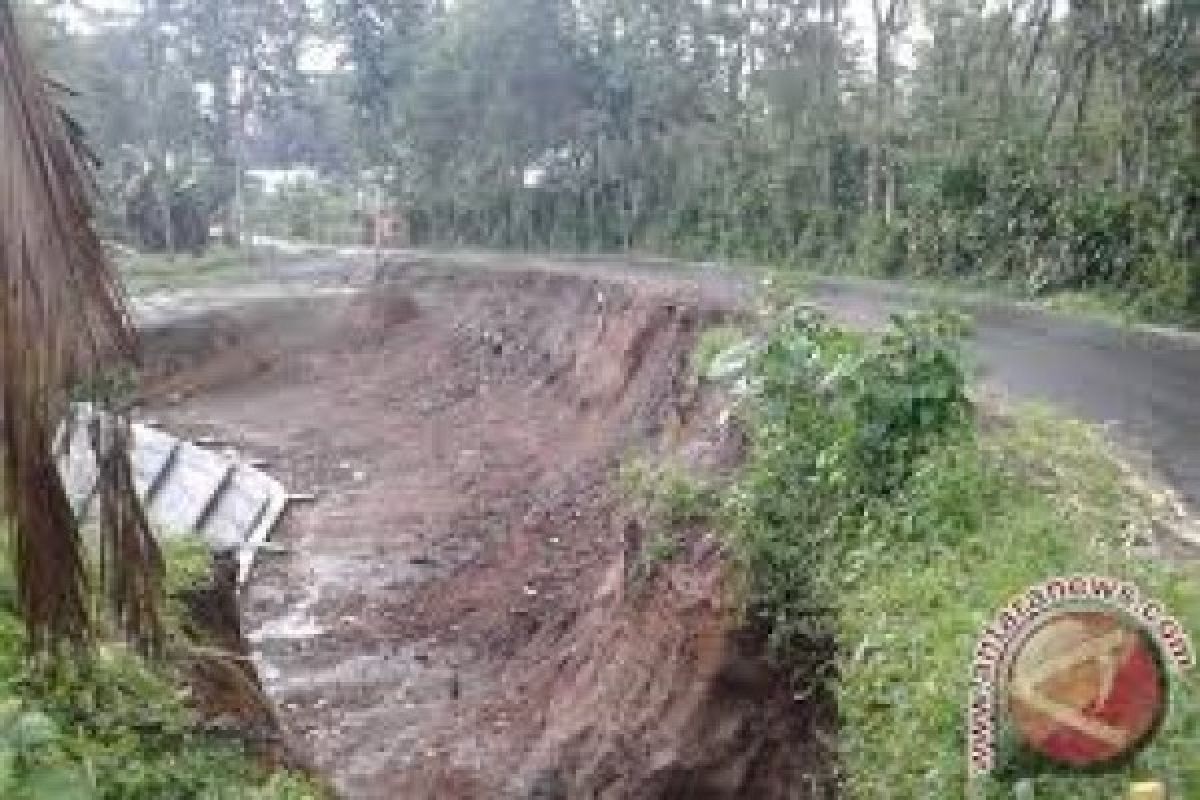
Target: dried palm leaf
(63, 322)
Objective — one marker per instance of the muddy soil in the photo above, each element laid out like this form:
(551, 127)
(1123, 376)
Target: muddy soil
(450, 617)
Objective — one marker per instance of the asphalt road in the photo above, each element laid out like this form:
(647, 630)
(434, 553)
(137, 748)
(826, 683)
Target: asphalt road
(1144, 385)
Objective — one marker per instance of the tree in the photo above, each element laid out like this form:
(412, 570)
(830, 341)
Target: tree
(62, 321)
(1047, 144)
(381, 40)
(889, 19)
(245, 52)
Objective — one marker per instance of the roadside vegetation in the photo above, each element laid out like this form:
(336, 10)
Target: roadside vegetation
(1043, 149)
(320, 212)
(669, 503)
(91, 698)
(149, 272)
(881, 506)
(1046, 149)
(714, 342)
(883, 509)
(1043, 497)
(220, 266)
(109, 725)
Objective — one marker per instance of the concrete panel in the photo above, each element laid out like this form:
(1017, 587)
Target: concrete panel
(187, 490)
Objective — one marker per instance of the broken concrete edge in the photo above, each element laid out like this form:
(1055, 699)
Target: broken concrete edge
(222, 680)
(76, 462)
(259, 536)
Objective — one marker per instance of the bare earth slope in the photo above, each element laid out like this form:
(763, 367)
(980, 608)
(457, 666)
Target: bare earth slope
(449, 618)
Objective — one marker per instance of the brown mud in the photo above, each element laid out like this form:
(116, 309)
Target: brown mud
(451, 616)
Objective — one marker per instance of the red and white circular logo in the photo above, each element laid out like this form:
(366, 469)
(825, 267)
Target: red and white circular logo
(1086, 688)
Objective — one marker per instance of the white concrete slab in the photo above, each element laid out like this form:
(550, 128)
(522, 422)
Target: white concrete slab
(186, 489)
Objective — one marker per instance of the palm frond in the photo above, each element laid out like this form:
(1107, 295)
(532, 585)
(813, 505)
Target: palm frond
(63, 320)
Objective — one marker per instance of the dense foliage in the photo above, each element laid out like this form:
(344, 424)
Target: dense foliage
(1043, 144)
(841, 426)
(112, 726)
(177, 99)
(878, 508)
(114, 729)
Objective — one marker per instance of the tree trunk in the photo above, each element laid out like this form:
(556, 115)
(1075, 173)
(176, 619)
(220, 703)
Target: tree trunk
(738, 65)
(876, 166)
(1085, 88)
(224, 163)
(1143, 173)
(889, 189)
(1039, 37)
(1121, 166)
(875, 146)
(162, 196)
(1066, 79)
(831, 24)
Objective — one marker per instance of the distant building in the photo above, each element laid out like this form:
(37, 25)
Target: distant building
(272, 180)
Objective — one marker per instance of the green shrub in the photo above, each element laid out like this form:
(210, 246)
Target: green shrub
(712, 343)
(659, 549)
(841, 427)
(999, 216)
(666, 495)
(872, 508)
(669, 502)
(109, 726)
(880, 249)
(112, 728)
(1044, 497)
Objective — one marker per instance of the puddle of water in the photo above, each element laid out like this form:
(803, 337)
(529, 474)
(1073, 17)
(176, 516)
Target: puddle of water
(297, 623)
(268, 673)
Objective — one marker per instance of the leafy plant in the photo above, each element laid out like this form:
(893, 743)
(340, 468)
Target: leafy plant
(661, 548)
(114, 727)
(841, 427)
(72, 327)
(667, 494)
(712, 343)
(1043, 497)
(873, 509)
(669, 502)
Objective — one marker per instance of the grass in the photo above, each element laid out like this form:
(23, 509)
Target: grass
(667, 494)
(670, 502)
(661, 548)
(147, 272)
(1051, 500)
(112, 727)
(879, 506)
(712, 343)
(1100, 304)
(219, 266)
(1120, 308)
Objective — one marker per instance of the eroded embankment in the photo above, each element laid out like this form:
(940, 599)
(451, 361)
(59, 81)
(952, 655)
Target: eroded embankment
(451, 616)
